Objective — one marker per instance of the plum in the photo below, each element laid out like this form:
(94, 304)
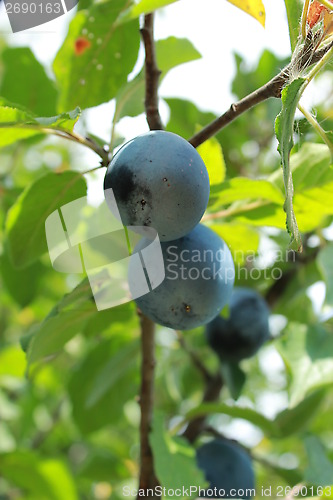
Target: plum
(247, 328)
(228, 468)
(199, 277)
(160, 181)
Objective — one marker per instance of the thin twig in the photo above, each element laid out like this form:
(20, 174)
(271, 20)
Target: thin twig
(211, 394)
(64, 134)
(42, 435)
(234, 210)
(272, 88)
(207, 376)
(152, 75)
(147, 474)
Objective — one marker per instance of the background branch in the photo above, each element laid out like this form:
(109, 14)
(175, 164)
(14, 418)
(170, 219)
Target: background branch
(212, 392)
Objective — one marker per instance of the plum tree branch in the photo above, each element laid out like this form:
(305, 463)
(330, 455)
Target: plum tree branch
(152, 75)
(148, 479)
(147, 474)
(272, 88)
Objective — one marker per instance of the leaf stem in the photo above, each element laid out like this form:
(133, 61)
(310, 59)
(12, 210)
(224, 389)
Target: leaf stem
(304, 18)
(64, 134)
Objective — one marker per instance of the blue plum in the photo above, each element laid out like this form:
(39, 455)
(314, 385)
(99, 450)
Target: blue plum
(228, 468)
(160, 181)
(247, 328)
(199, 277)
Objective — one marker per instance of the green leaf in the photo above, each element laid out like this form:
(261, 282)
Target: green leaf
(111, 372)
(25, 224)
(17, 124)
(212, 155)
(38, 93)
(240, 238)
(41, 478)
(307, 352)
(173, 51)
(265, 424)
(12, 362)
(325, 263)
(64, 121)
(294, 13)
(11, 115)
(145, 7)
(296, 419)
(242, 188)
(51, 336)
(108, 410)
(320, 470)
(284, 129)
(170, 52)
(95, 74)
(22, 284)
(185, 117)
(174, 459)
(67, 318)
(313, 183)
(234, 377)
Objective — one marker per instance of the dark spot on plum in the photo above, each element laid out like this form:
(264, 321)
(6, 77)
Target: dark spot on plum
(122, 184)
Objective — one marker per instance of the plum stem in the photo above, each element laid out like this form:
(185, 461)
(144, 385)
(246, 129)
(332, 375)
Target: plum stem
(152, 74)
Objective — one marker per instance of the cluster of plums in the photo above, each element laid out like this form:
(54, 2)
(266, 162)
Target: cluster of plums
(227, 467)
(159, 181)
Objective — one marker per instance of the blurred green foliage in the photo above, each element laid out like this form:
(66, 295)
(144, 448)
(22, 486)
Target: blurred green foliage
(69, 375)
